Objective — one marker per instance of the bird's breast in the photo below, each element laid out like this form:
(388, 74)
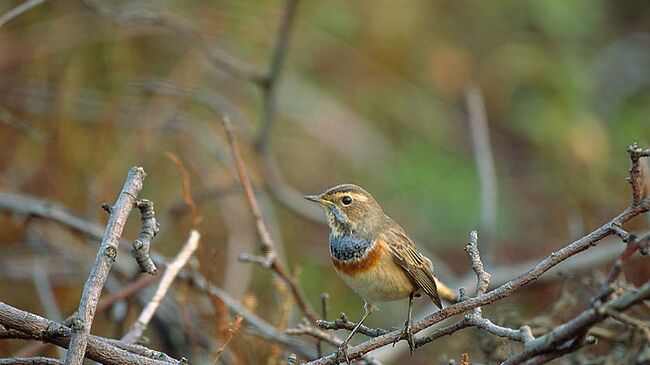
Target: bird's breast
(374, 274)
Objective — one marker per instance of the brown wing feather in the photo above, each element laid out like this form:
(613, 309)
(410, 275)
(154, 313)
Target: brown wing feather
(417, 267)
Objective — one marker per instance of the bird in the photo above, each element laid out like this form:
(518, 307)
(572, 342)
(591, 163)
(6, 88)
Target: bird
(373, 254)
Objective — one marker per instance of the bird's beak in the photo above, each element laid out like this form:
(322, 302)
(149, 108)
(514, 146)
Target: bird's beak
(316, 198)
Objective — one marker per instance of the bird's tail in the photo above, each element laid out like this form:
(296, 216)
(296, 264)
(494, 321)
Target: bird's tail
(446, 293)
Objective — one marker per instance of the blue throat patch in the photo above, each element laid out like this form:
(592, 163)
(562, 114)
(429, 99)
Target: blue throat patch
(347, 247)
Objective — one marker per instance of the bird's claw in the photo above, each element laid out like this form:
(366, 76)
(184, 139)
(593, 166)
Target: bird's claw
(408, 336)
(343, 352)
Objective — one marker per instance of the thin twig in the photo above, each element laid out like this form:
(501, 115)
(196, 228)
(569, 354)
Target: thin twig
(576, 326)
(617, 267)
(170, 274)
(255, 324)
(476, 319)
(270, 259)
(636, 178)
(105, 257)
(18, 10)
(187, 188)
(232, 332)
(342, 323)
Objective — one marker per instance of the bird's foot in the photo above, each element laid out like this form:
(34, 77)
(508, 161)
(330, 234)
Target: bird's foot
(343, 352)
(408, 336)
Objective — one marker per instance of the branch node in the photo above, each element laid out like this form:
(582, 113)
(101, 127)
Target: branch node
(107, 207)
(77, 324)
(111, 253)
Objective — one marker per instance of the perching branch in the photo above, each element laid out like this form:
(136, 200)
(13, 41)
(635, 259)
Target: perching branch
(171, 271)
(342, 323)
(99, 273)
(582, 244)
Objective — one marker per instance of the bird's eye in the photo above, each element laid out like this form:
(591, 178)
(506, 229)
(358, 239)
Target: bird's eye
(346, 200)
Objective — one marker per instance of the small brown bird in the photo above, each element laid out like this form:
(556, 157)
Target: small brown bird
(372, 253)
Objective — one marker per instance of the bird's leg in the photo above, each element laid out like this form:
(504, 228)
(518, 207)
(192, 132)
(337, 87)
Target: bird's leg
(343, 347)
(408, 331)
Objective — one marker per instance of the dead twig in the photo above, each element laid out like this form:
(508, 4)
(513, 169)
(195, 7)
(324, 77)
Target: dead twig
(187, 188)
(106, 351)
(232, 331)
(170, 274)
(105, 257)
(270, 259)
(30, 361)
(568, 333)
(636, 178)
(342, 323)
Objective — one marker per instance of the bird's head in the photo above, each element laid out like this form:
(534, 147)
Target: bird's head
(350, 210)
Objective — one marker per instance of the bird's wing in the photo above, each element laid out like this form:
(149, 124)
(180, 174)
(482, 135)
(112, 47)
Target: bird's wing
(418, 268)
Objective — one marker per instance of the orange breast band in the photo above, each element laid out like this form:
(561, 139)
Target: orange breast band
(367, 262)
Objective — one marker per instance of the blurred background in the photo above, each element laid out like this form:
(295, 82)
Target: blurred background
(377, 93)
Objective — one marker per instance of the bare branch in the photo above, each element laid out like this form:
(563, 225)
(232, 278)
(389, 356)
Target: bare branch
(576, 327)
(106, 351)
(232, 331)
(633, 245)
(482, 277)
(18, 10)
(501, 292)
(342, 323)
(168, 277)
(482, 283)
(142, 243)
(105, 257)
(523, 334)
(270, 257)
(30, 361)
(636, 172)
(256, 324)
(308, 329)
